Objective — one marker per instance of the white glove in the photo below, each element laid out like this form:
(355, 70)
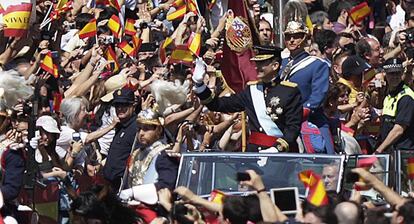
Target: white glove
(126, 194)
(199, 71)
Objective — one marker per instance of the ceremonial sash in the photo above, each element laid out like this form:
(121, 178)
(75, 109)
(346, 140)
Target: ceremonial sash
(264, 119)
(300, 65)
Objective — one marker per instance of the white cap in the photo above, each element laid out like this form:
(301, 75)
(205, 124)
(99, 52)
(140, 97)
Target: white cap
(48, 124)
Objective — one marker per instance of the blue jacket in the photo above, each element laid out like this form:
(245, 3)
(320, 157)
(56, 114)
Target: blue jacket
(313, 81)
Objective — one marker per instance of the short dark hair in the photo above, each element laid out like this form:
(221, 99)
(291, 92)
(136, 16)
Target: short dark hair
(362, 47)
(406, 211)
(324, 212)
(240, 209)
(325, 39)
(82, 19)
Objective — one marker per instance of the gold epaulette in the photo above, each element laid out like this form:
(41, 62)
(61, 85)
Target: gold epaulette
(253, 82)
(290, 84)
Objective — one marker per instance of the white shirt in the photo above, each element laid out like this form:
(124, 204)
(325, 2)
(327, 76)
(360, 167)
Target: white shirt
(64, 142)
(398, 19)
(106, 140)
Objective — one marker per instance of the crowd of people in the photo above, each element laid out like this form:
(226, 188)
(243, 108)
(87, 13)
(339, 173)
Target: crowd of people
(107, 125)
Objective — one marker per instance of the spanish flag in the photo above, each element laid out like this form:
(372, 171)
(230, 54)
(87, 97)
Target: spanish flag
(211, 4)
(57, 101)
(192, 6)
(16, 18)
(179, 13)
(317, 194)
(359, 12)
(217, 196)
(114, 25)
(111, 57)
(178, 3)
(115, 4)
(47, 63)
(137, 43)
(410, 168)
(194, 43)
(59, 9)
(89, 30)
(163, 46)
(127, 48)
(181, 54)
(368, 76)
(130, 27)
(55, 71)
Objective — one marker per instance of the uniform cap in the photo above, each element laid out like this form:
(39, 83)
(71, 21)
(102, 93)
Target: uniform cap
(124, 95)
(266, 52)
(393, 65)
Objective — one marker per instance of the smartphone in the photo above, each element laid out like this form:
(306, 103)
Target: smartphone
(242, 176)
(76, 136)
(351, 177)
(286, 199)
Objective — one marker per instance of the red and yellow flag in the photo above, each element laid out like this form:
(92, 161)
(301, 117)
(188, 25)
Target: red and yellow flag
(211, 4)
(47, 63)
(114, 3)
(317, 194)
(179, 13)
(368, 76)
(217, 196)
(61, 8)
(192, 6)
(130, 27)
(127, 48)
(359, 12)
(194, 43)
(137, 43)
(178, 3)
(410, 168)
(111, 57)
(89, 30)
(16, 18)
(163, 46)
(114, 25)
(181, 54)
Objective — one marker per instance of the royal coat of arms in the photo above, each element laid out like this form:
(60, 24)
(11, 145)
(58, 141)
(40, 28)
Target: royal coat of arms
(238, 34)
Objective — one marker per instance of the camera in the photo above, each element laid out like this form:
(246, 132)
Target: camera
(107, 40)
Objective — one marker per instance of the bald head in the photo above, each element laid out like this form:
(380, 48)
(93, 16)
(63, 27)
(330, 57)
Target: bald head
(347, 213)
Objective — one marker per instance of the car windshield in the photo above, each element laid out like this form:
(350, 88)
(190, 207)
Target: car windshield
(204, 172)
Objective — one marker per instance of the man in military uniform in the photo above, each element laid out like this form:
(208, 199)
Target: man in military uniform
(123, 141)
(274, 108)
(397, 127)
(150, 168)
(311, 74)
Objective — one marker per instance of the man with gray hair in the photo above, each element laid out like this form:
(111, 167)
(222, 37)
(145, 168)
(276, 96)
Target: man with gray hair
(348, 212)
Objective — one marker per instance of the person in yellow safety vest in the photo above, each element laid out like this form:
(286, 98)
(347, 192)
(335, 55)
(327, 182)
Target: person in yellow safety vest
(397, 128)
